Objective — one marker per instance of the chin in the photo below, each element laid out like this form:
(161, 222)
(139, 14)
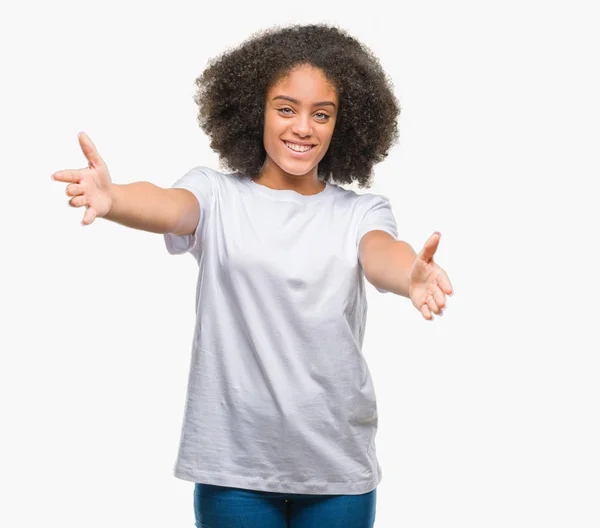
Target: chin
(297, 172)
(297, 169)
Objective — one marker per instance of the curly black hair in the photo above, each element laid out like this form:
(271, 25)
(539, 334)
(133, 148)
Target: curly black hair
(231, 95)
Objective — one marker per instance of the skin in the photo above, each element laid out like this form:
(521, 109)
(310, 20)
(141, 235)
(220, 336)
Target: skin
(310, 118)
(429, 284)
(307, 120)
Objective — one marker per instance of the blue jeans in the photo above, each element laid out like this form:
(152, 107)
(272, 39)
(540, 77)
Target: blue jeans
(224, 507)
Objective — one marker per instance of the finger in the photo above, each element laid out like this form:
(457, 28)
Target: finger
(72, 175)
(430, 247)
(432, 304)
(426, 313)
(444, 282)
(74, 189)
(439, 298)
(69, 175)
(79, 201)
(89, 150)
(89, 216)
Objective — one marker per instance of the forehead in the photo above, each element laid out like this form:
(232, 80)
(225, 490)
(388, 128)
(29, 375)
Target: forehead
(305, 83)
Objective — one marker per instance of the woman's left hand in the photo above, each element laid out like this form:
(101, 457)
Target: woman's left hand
(429, 283)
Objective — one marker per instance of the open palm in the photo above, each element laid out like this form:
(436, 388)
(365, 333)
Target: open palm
(89, 187)
(429, 283)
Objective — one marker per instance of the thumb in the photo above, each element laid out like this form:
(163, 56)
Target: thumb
(89, 150)
(430, 247)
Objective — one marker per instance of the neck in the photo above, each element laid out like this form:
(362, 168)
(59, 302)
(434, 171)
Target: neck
(271, 175)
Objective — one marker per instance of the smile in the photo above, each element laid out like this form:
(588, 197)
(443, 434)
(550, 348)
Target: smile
(298, 148)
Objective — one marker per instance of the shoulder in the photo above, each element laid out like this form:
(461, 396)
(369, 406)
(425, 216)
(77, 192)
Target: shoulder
(372, 201)
(364, 198)
(365, 201)
(348, 196)
(219, 180)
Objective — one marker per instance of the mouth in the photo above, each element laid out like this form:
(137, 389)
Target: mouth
(298, 150)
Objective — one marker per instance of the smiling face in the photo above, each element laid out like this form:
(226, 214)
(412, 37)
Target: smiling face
(300, 116)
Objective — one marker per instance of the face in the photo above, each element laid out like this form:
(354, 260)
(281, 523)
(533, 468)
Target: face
(300, 116)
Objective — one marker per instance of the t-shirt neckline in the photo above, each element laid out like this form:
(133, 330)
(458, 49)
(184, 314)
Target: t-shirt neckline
(287, 194)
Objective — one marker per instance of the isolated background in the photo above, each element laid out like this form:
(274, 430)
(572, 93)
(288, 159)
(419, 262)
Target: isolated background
(489, 416)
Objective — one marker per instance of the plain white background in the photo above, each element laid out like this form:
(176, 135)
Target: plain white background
(488, 416)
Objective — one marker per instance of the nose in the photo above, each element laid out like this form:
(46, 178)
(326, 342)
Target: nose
(302, 126)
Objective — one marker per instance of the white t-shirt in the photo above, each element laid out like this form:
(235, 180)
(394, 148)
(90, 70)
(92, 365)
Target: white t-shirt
(279, 395)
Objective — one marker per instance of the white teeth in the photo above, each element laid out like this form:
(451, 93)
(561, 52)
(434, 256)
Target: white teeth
(298, 148)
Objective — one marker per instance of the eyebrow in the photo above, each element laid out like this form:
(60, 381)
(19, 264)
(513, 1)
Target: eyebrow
(286, 98)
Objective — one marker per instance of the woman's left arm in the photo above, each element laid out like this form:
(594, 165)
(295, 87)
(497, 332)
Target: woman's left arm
(394, 266)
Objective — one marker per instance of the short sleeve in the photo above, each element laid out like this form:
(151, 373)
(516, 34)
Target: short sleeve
(378, 216)
(199, 182)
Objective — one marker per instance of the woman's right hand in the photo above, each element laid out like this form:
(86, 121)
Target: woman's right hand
(89, 187)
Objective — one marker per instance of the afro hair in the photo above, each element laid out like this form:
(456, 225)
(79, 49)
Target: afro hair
(231, 96)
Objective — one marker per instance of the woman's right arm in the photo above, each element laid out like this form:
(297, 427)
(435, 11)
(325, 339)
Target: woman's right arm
(143, 205)
(139, 205)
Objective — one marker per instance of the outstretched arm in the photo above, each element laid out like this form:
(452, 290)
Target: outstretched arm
(393, 265)
(386, 262)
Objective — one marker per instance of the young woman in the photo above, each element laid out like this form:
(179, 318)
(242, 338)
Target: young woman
(280, 419)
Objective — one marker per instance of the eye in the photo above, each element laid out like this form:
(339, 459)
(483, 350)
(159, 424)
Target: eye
(325, 116)
(283, 110)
